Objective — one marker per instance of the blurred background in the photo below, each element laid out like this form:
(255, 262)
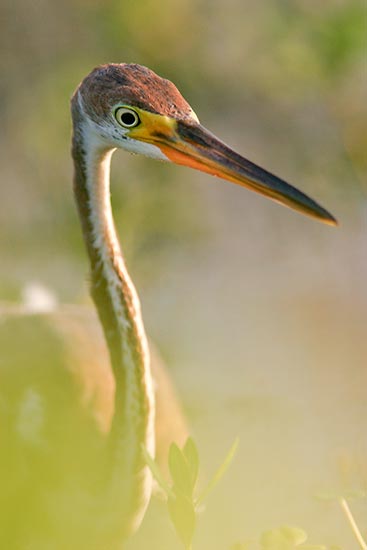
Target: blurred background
(260, 313)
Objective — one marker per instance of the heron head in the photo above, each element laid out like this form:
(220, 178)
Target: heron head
(128, 106)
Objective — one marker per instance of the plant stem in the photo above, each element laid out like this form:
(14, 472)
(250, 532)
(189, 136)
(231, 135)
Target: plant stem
(219, 473)
(348, 513)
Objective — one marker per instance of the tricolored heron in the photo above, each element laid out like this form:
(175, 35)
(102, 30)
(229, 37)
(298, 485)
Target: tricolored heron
(90, 485)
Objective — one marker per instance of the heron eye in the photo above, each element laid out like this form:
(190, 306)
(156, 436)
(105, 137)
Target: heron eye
(127, 117)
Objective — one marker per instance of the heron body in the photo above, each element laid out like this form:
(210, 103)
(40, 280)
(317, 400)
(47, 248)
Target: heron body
(101, 501)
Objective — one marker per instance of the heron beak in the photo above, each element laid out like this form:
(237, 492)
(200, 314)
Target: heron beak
(190, 144)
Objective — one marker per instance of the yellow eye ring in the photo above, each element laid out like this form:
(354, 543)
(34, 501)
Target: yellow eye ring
(126, 117)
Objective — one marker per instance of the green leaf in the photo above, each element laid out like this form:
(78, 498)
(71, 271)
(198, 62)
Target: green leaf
(220, 472)
(192, 456)
(180, 471)
(283, 538)
(182, 514)
(157, 474)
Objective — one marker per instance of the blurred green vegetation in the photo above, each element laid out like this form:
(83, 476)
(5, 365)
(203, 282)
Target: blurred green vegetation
(285, 83)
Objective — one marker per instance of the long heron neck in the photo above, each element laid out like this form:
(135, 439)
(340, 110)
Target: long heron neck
(116, 300)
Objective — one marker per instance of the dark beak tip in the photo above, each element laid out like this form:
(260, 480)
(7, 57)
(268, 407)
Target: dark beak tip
(328, 219)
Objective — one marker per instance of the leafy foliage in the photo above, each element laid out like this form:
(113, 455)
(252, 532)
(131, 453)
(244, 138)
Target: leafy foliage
(282, 538)
(183, 505)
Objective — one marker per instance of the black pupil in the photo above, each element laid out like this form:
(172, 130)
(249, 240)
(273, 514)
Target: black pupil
(128, 119)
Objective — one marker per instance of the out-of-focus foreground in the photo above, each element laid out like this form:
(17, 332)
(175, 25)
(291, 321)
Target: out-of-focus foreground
(260, 313)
